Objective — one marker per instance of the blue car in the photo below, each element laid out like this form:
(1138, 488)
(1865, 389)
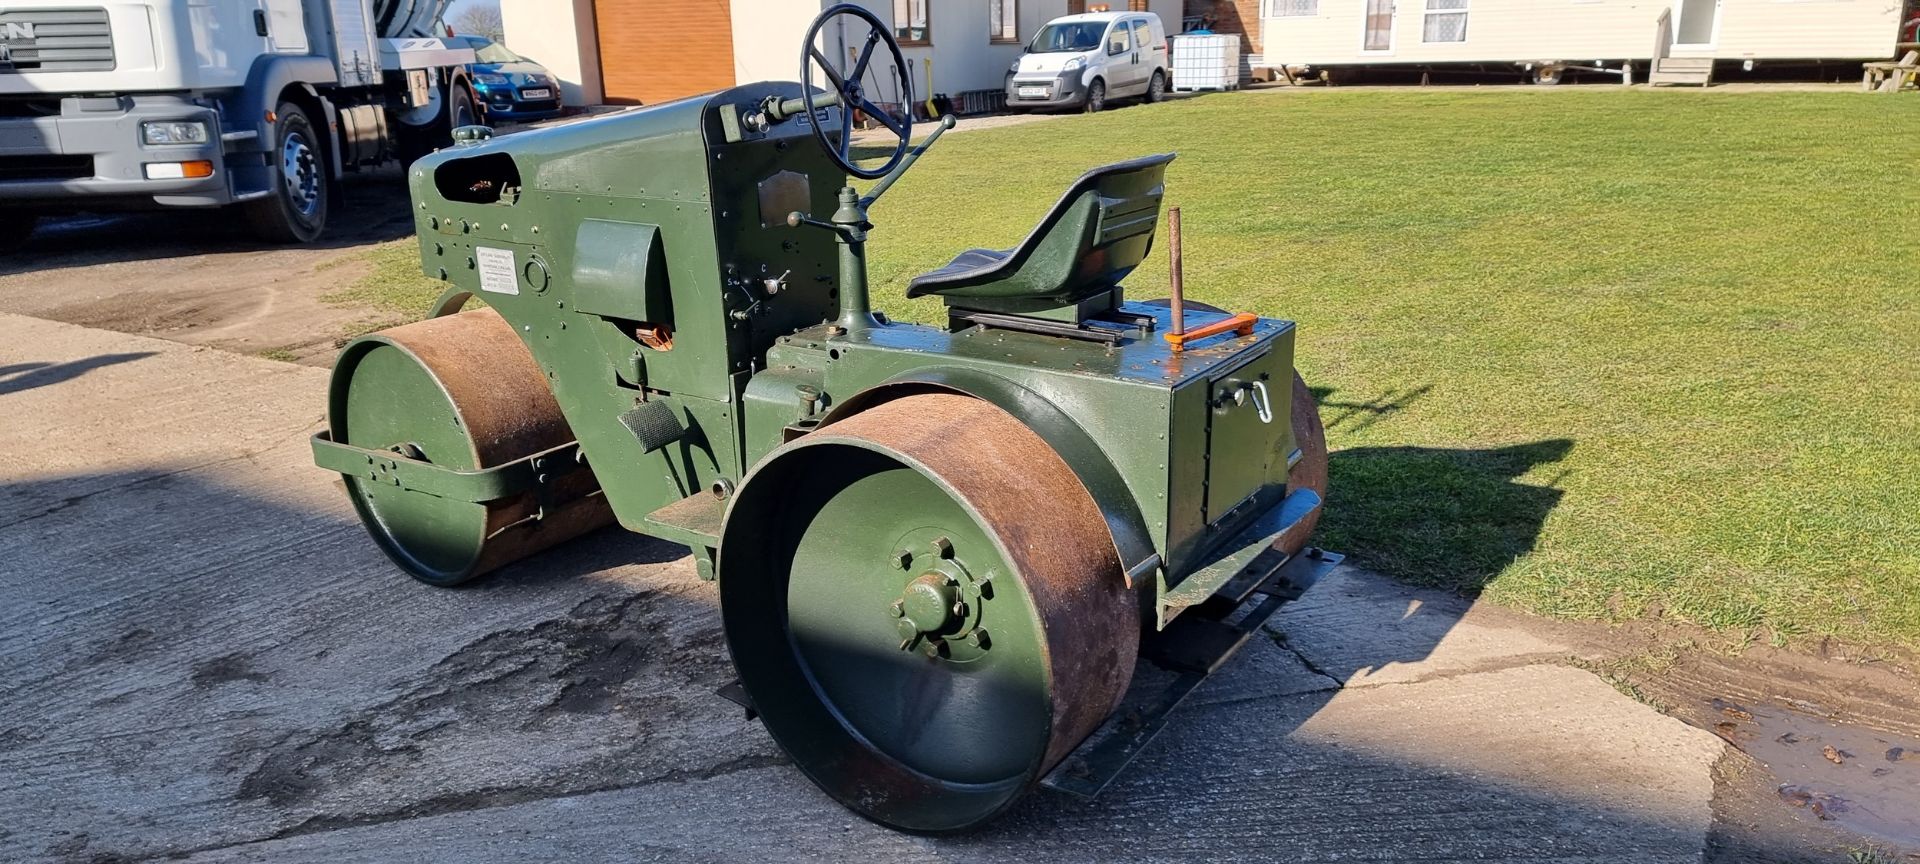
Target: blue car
(509, 85)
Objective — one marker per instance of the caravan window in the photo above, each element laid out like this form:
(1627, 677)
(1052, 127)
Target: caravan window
(1446, 21)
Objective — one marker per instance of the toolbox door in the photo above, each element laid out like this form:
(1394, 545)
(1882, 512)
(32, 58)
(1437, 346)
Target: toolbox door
(1249, 432)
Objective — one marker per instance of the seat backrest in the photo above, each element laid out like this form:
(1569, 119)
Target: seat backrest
(1095, 235)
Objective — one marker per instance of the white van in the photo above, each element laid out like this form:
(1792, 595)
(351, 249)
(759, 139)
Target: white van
(1082, 61)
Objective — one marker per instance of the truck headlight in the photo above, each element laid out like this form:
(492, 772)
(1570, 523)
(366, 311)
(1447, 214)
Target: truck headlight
(489, 79)
(1075, 63)
(174, 132)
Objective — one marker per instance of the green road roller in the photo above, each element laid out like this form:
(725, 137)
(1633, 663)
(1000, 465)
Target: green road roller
(940, 552)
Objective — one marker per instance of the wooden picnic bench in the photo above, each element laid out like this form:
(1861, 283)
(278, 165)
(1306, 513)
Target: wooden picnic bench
(1890, 77)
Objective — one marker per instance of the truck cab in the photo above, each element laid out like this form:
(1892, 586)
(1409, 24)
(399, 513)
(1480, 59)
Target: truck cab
(146, 104)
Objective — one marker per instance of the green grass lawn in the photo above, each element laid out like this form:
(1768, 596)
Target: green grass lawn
(1594, 353)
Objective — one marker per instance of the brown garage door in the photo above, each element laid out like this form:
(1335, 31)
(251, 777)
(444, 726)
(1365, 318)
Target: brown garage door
(657, 50)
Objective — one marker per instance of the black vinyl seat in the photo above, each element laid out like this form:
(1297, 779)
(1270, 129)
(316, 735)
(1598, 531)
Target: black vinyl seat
(1095, 235)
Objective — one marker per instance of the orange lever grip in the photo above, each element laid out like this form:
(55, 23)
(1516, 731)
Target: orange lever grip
(1241, 323)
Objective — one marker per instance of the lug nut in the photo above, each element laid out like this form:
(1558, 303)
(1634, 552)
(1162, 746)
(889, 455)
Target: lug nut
(943, 547)
(978, 639)
(903, 559)
(899, 608)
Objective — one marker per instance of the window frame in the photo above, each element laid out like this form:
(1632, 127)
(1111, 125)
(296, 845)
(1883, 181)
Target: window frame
(1427, 12)
(1009, 20)
(900, 31)
(1121, 27)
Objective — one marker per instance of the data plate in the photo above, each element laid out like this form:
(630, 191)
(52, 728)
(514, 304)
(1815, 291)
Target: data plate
(1033, 92)
(539, 93)
(498, 274)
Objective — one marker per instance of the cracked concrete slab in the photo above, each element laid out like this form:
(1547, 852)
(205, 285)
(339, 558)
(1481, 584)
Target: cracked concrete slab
(203, 657)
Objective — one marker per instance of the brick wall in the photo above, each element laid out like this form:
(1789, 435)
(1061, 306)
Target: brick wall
(655, 51)
(1231, 16)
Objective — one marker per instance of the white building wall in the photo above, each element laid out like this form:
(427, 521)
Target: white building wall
(1577, 30)
(767, 40)
(557, 34)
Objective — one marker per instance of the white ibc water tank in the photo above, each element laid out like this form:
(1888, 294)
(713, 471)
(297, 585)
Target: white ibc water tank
(1206, 62)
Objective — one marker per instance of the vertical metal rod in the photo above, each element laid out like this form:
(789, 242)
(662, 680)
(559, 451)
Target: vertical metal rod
(1179, 300)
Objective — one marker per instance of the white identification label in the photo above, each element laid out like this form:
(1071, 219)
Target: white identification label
(498, 273)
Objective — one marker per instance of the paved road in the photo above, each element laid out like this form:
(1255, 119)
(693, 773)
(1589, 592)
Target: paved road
(202, 658)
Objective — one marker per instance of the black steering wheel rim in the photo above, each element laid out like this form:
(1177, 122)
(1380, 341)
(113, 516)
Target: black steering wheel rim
(852, 94)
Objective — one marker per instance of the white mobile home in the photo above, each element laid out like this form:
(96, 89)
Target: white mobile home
(1323, 33)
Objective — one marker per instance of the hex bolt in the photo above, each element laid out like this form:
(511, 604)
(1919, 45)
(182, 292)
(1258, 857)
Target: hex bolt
(899, 608)
(978, 639)
(943, 547)
(903, 559)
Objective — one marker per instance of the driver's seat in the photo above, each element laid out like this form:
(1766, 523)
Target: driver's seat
(1092, 238)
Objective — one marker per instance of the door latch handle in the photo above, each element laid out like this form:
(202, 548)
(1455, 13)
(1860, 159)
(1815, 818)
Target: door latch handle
(1260, 402)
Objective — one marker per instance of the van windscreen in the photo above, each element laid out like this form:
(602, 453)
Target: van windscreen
(1068, 36)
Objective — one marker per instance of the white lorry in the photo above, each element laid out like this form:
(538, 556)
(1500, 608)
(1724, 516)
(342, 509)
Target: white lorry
(260, 104)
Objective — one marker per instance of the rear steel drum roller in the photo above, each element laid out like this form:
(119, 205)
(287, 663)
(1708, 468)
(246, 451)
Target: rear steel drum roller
(926, 608)
(462, 392)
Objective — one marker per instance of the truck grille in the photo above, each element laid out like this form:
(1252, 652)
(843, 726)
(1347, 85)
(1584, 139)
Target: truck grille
(55, 40)
(45, 167)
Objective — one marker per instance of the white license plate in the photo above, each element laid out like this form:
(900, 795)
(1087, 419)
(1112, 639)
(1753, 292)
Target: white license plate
(540, 93)
(1033, 92)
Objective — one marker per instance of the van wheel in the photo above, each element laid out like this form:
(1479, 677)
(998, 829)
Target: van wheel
(1157, 88)
(296, 212)
(1096, 96)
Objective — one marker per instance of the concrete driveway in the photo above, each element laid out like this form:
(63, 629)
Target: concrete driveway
(197, 276)
(202, 657)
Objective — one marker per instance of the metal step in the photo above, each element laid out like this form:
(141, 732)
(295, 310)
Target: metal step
(1696, 78)
(1683, 64)
(691, 521)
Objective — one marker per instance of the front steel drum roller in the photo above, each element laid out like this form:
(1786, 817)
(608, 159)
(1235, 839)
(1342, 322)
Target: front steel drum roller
(924, 604)
(461, 392)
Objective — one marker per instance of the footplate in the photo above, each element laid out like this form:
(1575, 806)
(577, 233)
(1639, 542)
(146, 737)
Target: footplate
(1191, 649)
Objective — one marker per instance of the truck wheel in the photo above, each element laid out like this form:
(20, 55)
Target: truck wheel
(1096, 96)
(1157, 88)
(459, 109)
(15, 228)
(296, 212)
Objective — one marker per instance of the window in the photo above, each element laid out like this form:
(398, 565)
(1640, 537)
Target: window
(1446, 21)
(1003, 20)
(1117, 41)
(1142, 34)
(910, 22)
(1137, 6)
(1076, 7)
(1292, 8)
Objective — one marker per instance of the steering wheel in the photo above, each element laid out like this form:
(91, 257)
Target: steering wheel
(852, 93)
